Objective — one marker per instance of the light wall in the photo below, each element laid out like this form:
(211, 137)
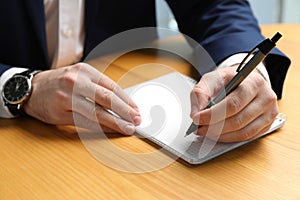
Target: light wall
(291, 13)
(276, 11)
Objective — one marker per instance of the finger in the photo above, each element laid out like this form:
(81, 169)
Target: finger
(108, 99)
(107, 129)
(252, 129)
(259, 106)
(249, 132)
(106, 93)
(82, 121)
(197, 105)
(86, 123)
(99, 115)
(208, 87)
(116, 89)
(234, 103)
(87, 72)
(104, 81)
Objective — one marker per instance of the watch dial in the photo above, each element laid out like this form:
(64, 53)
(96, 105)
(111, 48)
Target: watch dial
(16, 89)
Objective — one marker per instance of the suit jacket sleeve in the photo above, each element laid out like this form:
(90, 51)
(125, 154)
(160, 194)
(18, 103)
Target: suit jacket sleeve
(3, 68)
(227, 27)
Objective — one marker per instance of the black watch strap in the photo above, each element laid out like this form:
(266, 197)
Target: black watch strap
(29, 72)
(13, 109)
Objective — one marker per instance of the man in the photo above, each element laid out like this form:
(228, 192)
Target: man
(53, 36)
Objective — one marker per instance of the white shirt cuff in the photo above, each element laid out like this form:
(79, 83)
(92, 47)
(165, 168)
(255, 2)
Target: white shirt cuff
(238, 58)
(4, 112)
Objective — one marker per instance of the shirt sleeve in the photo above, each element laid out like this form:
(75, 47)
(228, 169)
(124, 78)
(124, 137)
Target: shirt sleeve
(4, 112)
(238, 58)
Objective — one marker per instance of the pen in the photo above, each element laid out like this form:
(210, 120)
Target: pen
(263, 49)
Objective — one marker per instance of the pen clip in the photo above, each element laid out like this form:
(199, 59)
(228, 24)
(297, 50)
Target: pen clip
(248, 55)
(265, 47)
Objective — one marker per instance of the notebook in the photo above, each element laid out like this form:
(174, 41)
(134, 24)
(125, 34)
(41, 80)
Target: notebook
(164, 105)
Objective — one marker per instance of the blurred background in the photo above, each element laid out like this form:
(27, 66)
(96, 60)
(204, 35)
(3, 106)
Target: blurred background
(266, 11)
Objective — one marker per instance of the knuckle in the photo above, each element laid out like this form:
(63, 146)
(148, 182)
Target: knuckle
(205, 76)
(259, 80)
(194, 95)
(196, 91)
(199, 92)
(79, 66)
(234, 104)
(237, 123)
(98, 112)
(72, 73)
(113, 87)
(61, 96)
(101, 80)
(226, 74)
(106, 96)
(68, 79)
(271, 98)
(245, 135)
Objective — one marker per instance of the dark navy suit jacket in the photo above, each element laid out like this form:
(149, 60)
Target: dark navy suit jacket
(222, 27)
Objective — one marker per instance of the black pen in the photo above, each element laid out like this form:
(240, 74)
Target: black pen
(263, 49)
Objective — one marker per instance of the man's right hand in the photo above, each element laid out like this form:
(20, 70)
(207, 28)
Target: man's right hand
(82, 91)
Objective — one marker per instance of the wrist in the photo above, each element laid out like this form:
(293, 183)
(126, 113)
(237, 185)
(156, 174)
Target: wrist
(17, 90)
(28, 107)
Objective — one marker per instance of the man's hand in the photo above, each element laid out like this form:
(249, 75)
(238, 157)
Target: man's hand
(82, 91)
(244, 114)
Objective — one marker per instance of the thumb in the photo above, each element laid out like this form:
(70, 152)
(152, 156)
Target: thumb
(199, 99)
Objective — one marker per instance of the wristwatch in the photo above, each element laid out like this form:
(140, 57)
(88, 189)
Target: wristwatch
(17, 90)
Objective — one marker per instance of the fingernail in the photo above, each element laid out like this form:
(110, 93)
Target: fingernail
(129, 129)
(137, 120)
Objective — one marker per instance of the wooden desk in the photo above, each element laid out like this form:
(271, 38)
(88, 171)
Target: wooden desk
(39, 161)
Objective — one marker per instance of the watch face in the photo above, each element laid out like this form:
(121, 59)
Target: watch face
(16, 89)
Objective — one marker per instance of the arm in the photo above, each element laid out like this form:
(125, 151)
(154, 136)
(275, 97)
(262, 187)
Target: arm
(52, 94)
(81, 95)
(61, 95)
(227, 27)
(3, 68)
